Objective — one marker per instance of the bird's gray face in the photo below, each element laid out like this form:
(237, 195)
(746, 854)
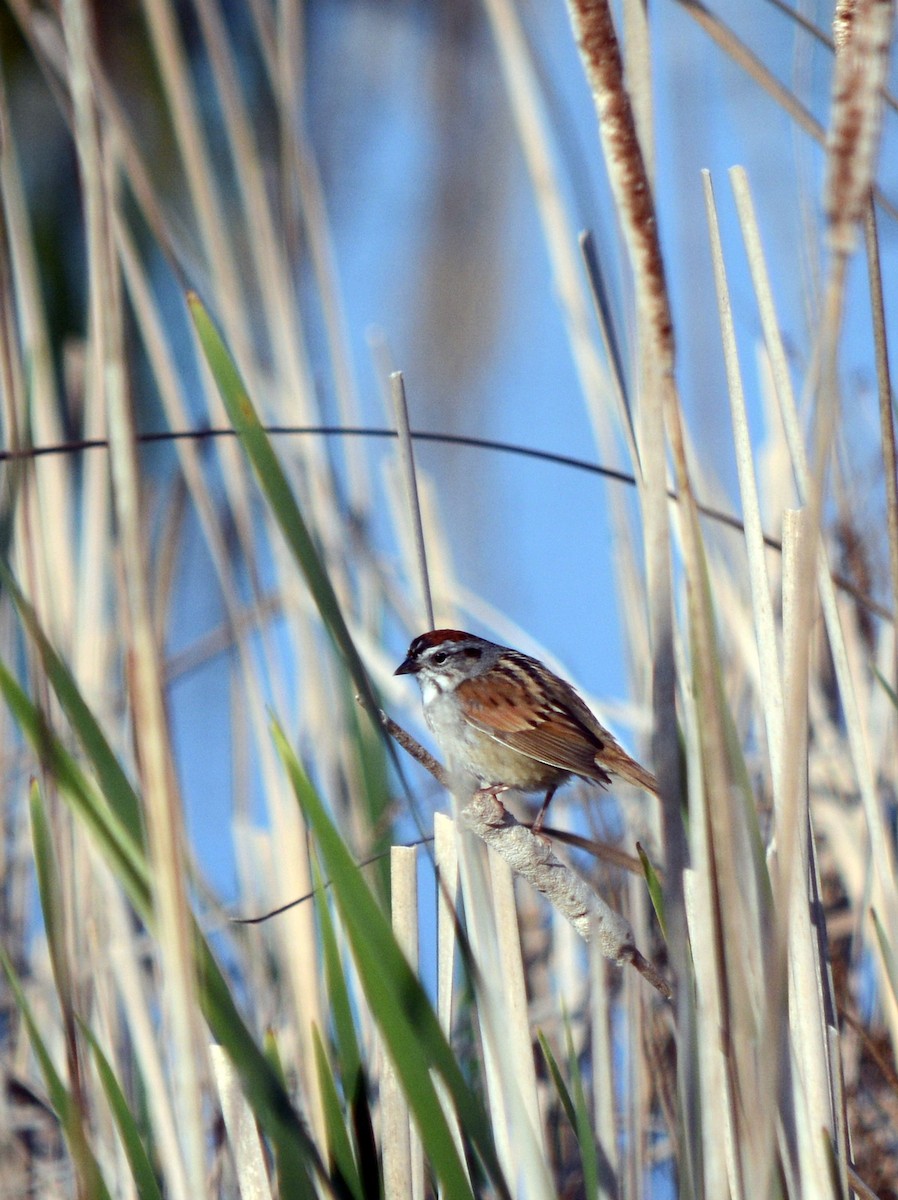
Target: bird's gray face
(442, 659)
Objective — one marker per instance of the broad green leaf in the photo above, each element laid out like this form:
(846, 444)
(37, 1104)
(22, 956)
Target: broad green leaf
(296, 1153)
(273, 482)
(342, 1161)
(139, 1161)
(371, 763)
(399, 1004)
(113, 781)
(351, 1069)
(125, 856)
(273, 1055)
(337, 990)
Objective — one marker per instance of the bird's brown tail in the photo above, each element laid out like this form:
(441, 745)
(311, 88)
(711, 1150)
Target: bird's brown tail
(620, 763)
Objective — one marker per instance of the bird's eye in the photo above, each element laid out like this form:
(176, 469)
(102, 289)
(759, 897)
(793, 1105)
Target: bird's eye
(439, 658)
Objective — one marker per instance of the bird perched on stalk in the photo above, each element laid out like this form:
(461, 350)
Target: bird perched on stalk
(507, 720)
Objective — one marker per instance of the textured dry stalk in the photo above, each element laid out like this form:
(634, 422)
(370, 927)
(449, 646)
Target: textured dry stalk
(533, 859)
(863, 35)
(596, 37)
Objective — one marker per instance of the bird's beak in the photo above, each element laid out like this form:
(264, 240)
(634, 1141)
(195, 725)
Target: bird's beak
(407, 667)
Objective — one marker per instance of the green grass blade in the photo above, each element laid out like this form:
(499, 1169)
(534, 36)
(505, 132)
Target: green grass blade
(337, 991)
(91, 1182)
(585, 1138)
(352, 1072)
(50, 893)
(558, 1079)
(656, 889)
(273, 1055)
(125, 857)
(342, 1160)
(277, 491)
(888, 953)
(296, 1153)
(399, 1004)
(113, 781)
(577, 1112)
(371, 760)
(889, 690)
(139, 1161)
(294, 1148)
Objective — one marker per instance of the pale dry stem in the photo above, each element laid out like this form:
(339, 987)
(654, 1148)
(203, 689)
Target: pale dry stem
(533, 859)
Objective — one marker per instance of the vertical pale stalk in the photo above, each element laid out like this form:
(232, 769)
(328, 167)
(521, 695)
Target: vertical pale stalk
(883, 898)
(886, 414)
(162, 805)
(409, 479)
(703, 1029)
(634, 1162)
(769, 1066)
(517, 1141)
(243, 1133)
(514, 994)
(403, 1163)
(594, 30)
(807, 1018)
(445, 853)
(603, 1075)
(765, 629)
(446, 859)
(717, 1128)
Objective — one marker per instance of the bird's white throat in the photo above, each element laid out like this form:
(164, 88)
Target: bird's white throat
(430, 689)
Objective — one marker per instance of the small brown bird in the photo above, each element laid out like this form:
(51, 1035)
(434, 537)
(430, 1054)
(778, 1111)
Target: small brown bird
(506, 719)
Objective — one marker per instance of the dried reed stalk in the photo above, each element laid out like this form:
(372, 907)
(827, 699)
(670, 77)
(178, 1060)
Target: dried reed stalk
(403, 1166)
(162, 802)
(534, 860)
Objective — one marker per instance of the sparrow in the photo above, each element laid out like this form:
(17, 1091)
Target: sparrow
(511, 723)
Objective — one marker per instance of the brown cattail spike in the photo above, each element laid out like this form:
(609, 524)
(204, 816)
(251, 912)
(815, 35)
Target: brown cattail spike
(863, 31)
(594, 29)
